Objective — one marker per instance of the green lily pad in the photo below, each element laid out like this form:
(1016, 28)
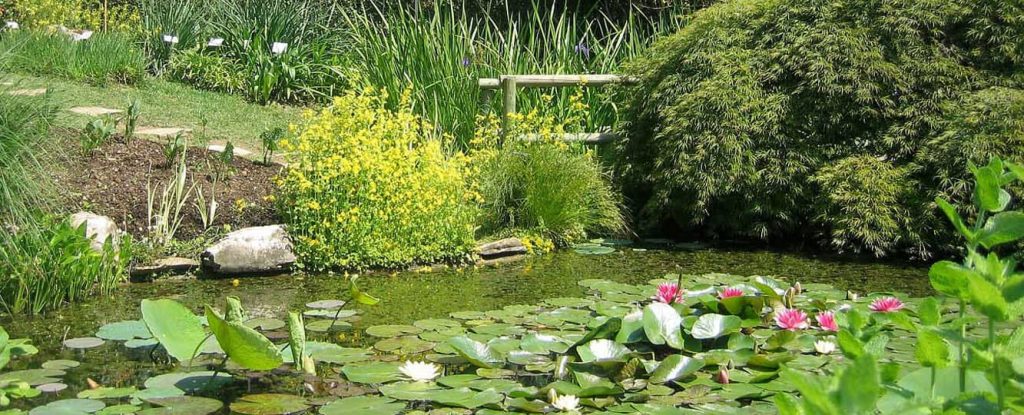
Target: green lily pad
(269, 404)
(119, 410)
(544, 343)
(592, 249)
(326, 304)
(106, 393)
(404, 345)
(675, 367)
(185, 405)
(174, 326)
(372, 373)
(60, 364)
(392, 330)
(363, 405)
(265, 324)
(322, 326)
(331, 314)
(138, 343)
(51, 387)
(713, 326)
(69, 406)
(663, 325)
(83, 342)
(479, 354)
(601, 350)
(124, 331)
(437, 324)
(190, 382)
(33, 377)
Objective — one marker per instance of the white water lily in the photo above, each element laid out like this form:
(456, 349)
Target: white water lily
(566, 403)
(420, 371)
(824, 347)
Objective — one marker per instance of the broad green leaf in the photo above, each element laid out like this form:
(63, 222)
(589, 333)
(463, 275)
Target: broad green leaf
(986, 188)
(174, 326)
(1013, 289)
(479, 354)
(632, 330)
(245, 346)
(663, 325)
(931, 350)
(713, 326)
(269, 404)
(987, 298)
(955, 218)
(602, 349)
(358, 295)
(606, 330)
(850, 345)
(372, 373)
(950, 278)
(1001, 229)
(917, 386)
(297, 340)
(675, 367)
(928, 312)
(859, 386)
(233, 311)
(363, 405)
(787, 404)
(813, 391)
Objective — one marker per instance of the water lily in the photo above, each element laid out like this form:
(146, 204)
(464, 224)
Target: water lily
(824, 347)
(827, 321)
(420, 371)
(668, 293)
(722, 376)
(886, 305)
(565, 403)
(730, 292)
(791, 319)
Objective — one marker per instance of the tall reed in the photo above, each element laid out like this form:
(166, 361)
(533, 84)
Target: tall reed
(103, 58)
(24, 185)
(442, 54)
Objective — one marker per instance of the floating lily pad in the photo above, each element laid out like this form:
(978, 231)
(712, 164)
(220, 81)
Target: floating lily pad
(372, 373)
(322, 326)
(265, 324)
(404, 345)
(69, 406)
(592, 249)
(392, 330)
(34, 377)
(139, 343)
(83, 342)
(269, 404)
(363, 405)
(119, 410)
(124, 331)
(437, 324)
(60, 364)
(190, 382)
(331, 314)
(186, 405)
(479, 354)
(106, 393)
(468, 315)
(326, 304)
(51, 387)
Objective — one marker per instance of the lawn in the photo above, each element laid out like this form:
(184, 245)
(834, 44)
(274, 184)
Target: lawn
(168, 104)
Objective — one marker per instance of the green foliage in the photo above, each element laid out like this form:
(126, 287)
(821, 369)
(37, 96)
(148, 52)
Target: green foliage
(268, 143)
(208, 71)
(369, 187)
(13, 349)
(96, 133)
(738, 113)
(181, 18)
(24, 143)
(118, 15)
(534, 183)
(101, 59)
(131, 119)
(45, 267)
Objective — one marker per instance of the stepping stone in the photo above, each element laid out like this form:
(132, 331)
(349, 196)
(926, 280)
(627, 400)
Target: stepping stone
(28, 92)
(161, 132)
(94, 111)
(169, 265)
(241, 152)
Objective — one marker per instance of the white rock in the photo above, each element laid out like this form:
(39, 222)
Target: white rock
(258, 250)
(98, 228)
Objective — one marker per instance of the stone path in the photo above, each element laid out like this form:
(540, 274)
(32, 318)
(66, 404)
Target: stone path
(160, 132)
(28, 92)
(238, 151)
(94, 111)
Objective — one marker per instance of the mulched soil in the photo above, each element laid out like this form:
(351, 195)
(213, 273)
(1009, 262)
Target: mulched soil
(112, 181)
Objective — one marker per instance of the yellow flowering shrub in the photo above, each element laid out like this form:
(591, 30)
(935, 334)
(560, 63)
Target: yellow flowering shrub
(73, 14)
(369, 187)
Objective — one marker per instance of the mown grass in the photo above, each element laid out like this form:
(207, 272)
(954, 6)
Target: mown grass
(169, 104)
(104, 58)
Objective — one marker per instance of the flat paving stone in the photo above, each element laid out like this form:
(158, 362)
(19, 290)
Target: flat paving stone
(161, 131)
(28, 92)
(219, 148)
(94, 111)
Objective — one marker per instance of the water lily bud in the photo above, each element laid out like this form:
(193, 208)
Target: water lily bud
(852, 296)
(798, 288)
(722, 376)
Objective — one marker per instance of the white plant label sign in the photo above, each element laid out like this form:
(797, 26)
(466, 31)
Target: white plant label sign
(171, 39)
(279, 47)
(11, 24)
(85, 34)
(216, 42)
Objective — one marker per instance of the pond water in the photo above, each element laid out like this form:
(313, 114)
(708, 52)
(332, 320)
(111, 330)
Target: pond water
(411, 296)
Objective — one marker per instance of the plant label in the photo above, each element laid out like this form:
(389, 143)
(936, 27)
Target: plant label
(13, 25)
(215, 42)
(279, 47)
(83, 35)
(171, 39)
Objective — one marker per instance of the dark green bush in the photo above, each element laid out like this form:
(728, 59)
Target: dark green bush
(737, 112)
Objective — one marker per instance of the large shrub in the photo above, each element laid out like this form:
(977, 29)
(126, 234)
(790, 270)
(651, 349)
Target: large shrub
(370, 187)
(532, 182)
(739, 110)
(103, 58)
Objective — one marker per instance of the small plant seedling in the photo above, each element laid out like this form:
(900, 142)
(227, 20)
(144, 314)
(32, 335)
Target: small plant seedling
(173, 147)
(96, 133)
(131, 119)
(223, 169)
(269, 139)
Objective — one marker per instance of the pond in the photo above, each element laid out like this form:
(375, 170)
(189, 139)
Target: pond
(411, 296)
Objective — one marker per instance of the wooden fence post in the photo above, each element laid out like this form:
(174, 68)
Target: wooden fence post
(508, 101)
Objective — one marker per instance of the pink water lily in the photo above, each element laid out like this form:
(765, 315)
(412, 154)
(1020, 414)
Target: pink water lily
(730, 292)
(722, 376)
(886, 305)
(827, 321)
(791, 319)
(668, 293)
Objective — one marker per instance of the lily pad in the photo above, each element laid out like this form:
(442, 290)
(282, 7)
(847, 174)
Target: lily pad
(404, 345)
(106, 393)
(663, 325)
(139, 343)
(675, 367)
(51, 387)
(392, 330)
(174, 326)
(363, 405)
(33, 377)
(326, 304)
(60, 364)
(190, 382)
(124, 331)
(83, 342)
(713, 326)
(269, 404)
(70, 406)
(331, 314)
(592, 249)
(119, 410)
(372, 373)
(322, 326)
(186, 405)
(479, 354)
(265, 324)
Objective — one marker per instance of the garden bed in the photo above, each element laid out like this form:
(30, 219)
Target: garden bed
(112, 181)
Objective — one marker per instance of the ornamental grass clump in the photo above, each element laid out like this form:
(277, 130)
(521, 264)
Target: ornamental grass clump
(369, 187)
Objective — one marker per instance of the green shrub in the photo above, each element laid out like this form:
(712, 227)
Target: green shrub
(181, 18)
(737, 111)
(44, 267)
(207, 71)
(24, 142)
(369, 187)
(103, 58)
(534, 183)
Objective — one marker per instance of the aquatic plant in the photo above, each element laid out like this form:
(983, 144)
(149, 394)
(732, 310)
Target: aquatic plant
(886, 305)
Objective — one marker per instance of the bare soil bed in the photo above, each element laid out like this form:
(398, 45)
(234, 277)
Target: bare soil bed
(112, 181)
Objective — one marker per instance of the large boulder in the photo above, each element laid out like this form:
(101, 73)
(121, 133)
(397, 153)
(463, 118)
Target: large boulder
(258, 250)
(98, 228)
